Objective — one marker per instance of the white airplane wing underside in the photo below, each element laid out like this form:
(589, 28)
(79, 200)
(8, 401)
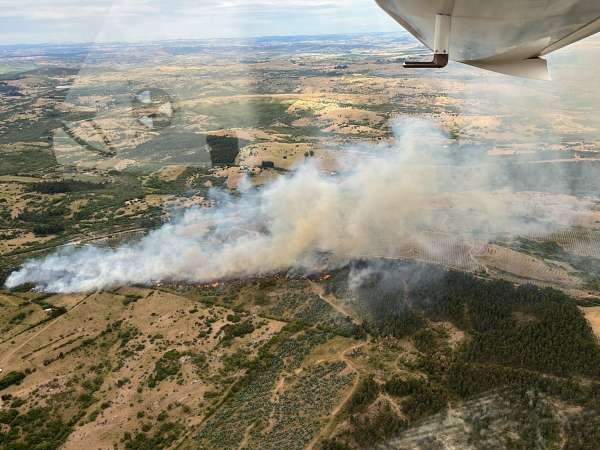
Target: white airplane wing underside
(507, 36)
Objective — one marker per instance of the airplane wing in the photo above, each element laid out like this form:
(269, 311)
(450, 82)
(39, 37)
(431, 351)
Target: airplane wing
(507, 36)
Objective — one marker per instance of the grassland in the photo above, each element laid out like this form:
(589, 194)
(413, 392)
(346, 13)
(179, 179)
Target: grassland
(269, 364)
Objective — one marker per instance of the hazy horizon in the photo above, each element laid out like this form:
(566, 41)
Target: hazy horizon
(400, 31)
(32, 22)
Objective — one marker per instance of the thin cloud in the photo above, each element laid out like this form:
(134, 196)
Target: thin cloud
(73, 9)
(52, 20)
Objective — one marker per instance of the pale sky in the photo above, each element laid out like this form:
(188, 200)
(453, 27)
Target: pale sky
(37, 21)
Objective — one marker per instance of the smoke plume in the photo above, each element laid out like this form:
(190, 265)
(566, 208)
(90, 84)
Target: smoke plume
(392, 195)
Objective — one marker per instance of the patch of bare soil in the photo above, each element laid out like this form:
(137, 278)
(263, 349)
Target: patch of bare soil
(525, 266)
(593, 316)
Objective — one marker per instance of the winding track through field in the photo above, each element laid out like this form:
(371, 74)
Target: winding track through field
(327, 429)
(320, 291)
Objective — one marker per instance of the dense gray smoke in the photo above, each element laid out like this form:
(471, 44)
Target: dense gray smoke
(392, 195)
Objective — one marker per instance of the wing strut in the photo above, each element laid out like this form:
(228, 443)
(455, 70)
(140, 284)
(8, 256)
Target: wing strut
(441, 50)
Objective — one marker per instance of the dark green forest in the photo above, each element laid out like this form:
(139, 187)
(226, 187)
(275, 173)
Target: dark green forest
(521, 338)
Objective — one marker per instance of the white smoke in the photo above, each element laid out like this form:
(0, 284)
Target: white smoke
(392, 195)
